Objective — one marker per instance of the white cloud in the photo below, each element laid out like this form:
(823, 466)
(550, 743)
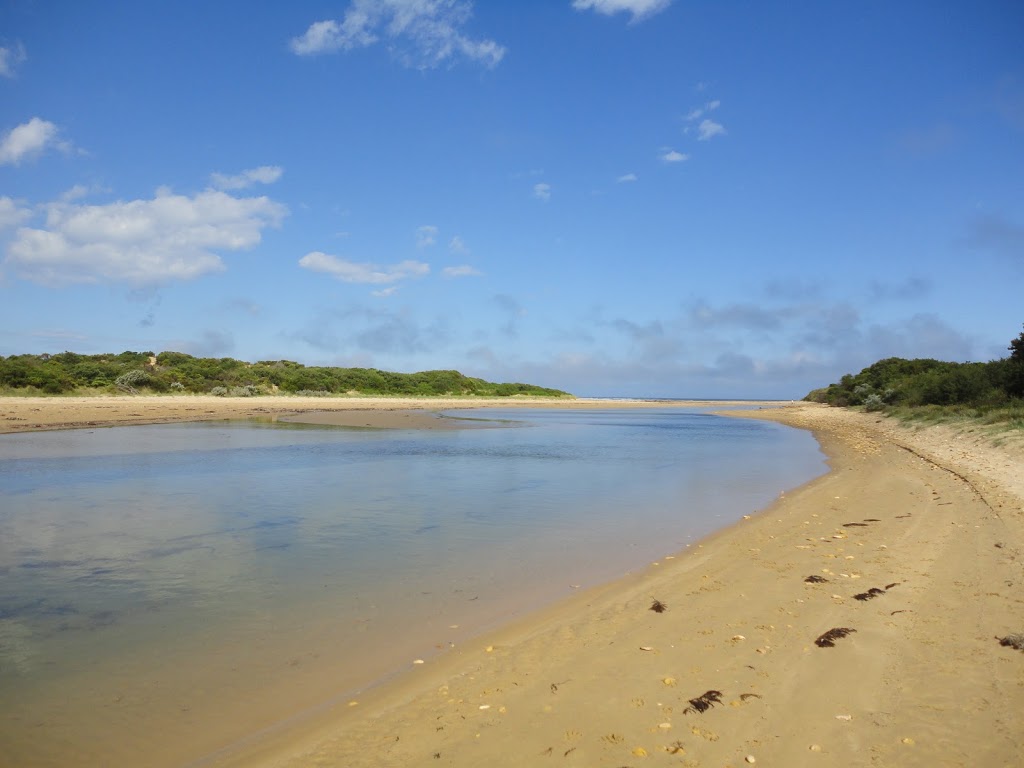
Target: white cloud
(383, 293)
(426, 236)
(640, 9)
(542, 191)
(626, 178)
(423, 33)
(457, 245)
(28, 140)
(462, 271)
(708, 129)
(10, 59)
(352, 272)
(671, 156)
(12, 214)
(264, 174)
(171, 237)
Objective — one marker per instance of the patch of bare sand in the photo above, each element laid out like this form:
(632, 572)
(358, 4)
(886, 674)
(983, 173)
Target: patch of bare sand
(28, 414)
(932, 531)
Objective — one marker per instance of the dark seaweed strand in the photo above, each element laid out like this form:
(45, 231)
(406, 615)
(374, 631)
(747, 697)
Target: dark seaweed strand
(828, 640)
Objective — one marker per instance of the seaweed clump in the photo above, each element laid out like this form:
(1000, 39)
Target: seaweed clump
(828, 640)
(704, 702)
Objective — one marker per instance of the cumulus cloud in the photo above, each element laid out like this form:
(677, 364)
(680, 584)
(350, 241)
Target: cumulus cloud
(708, 129)
(29, 140)
(464, 270)
(640, 9)
(697, 119)
(997, 235)
(10, 59)
(542, 191)
(422, 33)
(457, 245)
(907, 290)
(426, 236)
(698, 112)
(626, 178)
(12, 213)
(171, 237)
(671, 156)
(265, 174)
(353, 272)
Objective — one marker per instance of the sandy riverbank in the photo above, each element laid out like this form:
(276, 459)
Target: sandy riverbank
(931, 520)
(933, 523)
(28, 414)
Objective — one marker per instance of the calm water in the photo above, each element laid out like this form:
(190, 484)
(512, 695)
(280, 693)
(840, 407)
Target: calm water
(167, 590)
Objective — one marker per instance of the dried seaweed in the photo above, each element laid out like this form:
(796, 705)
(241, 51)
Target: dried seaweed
(894, 584)
(745, 696)
(1015, 641)
(658, 607)
(704, 702)
(815, 579)
(872, 520)
(855, 525)
(828, 640)
(870, 594)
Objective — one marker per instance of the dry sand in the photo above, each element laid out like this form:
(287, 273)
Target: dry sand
(931, 520)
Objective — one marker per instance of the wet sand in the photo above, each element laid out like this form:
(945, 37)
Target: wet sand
(29, 414)
(915, 540)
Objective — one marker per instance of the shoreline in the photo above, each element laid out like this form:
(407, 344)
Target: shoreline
(35, 414)
(922, 680)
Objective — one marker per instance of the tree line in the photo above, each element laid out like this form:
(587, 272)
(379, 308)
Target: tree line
(177, 372)
(896, 381)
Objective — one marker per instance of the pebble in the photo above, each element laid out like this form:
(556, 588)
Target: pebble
(750, 759)
(815, 747)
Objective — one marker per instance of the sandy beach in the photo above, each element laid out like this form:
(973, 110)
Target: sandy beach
(854, 622)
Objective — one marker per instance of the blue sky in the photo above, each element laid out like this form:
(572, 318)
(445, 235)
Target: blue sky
(613, 197)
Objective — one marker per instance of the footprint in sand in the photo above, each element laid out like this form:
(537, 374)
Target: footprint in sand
(613, 738)
(638, 703)
(573, 735)
(706, 735)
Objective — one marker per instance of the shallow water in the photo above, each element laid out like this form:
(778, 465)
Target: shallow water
(167, 590)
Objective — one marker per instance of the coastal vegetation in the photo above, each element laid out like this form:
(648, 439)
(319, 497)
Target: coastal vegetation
(934, 390)
(180, 373)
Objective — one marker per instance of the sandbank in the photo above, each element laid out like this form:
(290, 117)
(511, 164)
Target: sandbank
(916, 543)
(32, 414)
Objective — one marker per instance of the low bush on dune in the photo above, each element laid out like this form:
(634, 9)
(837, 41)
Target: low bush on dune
(934, 390)
(179, 373)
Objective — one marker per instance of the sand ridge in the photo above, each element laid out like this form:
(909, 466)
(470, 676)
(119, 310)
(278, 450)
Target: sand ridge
(32, 414)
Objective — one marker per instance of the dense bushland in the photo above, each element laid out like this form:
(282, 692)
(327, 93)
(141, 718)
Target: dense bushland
(895, 382)
(177, 372)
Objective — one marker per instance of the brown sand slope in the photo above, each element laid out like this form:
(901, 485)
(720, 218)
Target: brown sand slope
(602, 680)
